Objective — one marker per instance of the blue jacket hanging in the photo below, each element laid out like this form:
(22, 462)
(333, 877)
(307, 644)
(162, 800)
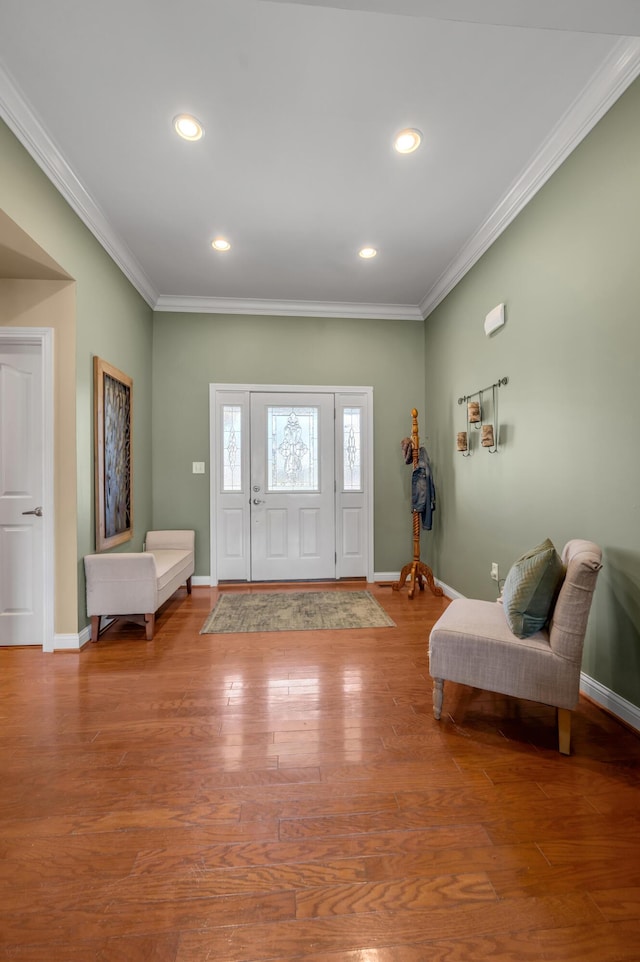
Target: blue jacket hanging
(423, 491)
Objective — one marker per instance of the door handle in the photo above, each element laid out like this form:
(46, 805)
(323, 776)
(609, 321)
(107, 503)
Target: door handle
(36, 511)
(258, 501)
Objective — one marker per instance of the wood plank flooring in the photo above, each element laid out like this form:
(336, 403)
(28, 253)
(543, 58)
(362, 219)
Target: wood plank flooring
(289, 796)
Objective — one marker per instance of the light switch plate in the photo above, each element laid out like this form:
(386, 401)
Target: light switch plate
(198, 467)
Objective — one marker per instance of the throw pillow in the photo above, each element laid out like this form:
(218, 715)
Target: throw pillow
(530, 589)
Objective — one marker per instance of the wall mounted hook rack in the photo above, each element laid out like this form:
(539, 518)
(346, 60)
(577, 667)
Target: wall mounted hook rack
(475, 415)
(499, 383)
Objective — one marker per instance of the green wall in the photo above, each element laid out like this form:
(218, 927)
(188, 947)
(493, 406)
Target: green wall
(569, 462)
(112, 321)
(191, 351)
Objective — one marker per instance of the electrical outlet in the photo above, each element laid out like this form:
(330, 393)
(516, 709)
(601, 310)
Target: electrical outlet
(494, 571)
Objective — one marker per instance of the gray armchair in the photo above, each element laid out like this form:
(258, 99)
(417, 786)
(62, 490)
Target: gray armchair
(472, 644)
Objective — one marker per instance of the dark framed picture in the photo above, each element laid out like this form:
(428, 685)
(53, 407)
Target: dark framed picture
(113, 412)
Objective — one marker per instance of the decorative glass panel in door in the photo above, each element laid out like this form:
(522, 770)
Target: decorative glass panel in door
(232, 447)
(292, 454)
(351, 449)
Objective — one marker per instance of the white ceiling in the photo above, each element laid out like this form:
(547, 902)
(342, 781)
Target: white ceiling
(300, 101)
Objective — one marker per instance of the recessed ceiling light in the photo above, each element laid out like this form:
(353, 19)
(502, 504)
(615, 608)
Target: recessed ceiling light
(407, 140)
(367, 252)
(220, 244)
(188, 127)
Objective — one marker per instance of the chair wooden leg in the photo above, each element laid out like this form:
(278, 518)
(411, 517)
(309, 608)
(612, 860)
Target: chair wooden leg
(95, 627)
(189, 585)
(564, 731)
(150, 620)
(438, 691)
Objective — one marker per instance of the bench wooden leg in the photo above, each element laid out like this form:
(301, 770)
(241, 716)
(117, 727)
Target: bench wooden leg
(438, 691)
(189, 585)
(564, 731)
(95, 627)
(150, 620)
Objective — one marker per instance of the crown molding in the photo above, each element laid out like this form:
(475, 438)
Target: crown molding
(616, 73)
(233, 305)
(23, 122)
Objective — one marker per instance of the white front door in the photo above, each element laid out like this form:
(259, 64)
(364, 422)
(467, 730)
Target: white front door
(291, 482)
(21, 494)
(292, 487)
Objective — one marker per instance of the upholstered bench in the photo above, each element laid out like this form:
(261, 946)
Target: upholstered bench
(135, 585)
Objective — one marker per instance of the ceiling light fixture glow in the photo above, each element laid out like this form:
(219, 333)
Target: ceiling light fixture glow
(188, 127)
(367, 252)
(407, 140)
(220, 244)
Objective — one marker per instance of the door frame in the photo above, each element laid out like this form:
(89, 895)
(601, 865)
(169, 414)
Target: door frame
(43, 337)
(290, 389)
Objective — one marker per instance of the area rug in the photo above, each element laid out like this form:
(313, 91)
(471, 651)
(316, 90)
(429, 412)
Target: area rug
(295, 611)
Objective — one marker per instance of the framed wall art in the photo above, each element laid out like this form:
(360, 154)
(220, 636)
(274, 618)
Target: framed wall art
(113, 413)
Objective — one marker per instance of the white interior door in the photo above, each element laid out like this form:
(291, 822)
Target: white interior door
(22, 602)
(292, 487)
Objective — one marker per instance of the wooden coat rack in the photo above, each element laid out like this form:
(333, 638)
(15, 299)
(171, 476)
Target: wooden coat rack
(417, 572)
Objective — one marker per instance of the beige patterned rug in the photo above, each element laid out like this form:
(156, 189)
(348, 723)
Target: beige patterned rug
(295, 611)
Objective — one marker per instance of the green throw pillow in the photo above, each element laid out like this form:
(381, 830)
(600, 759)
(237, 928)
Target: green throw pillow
(530, 589)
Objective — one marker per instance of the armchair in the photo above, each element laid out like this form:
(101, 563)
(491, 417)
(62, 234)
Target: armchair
(472, 644)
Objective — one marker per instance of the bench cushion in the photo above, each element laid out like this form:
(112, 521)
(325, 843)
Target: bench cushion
(171, 563)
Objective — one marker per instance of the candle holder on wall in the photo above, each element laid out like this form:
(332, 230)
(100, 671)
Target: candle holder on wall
(489, 430)
(463, 444)
(463, 440)
(487, 436)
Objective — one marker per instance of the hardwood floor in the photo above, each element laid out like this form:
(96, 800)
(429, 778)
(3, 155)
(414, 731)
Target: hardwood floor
(290, 796)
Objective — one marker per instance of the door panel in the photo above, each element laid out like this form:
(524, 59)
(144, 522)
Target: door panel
(21, 490)
(292, 485)
(276, 533)
(233, 522)
(310, 537)
(352, 531)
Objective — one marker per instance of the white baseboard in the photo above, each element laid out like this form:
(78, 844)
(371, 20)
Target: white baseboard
(616, 704)
(448, 590)
(71, 642)
(385, 576)
(393, 576)
(378, 577)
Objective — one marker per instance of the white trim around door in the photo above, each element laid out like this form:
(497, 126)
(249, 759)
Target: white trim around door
(232, 477)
